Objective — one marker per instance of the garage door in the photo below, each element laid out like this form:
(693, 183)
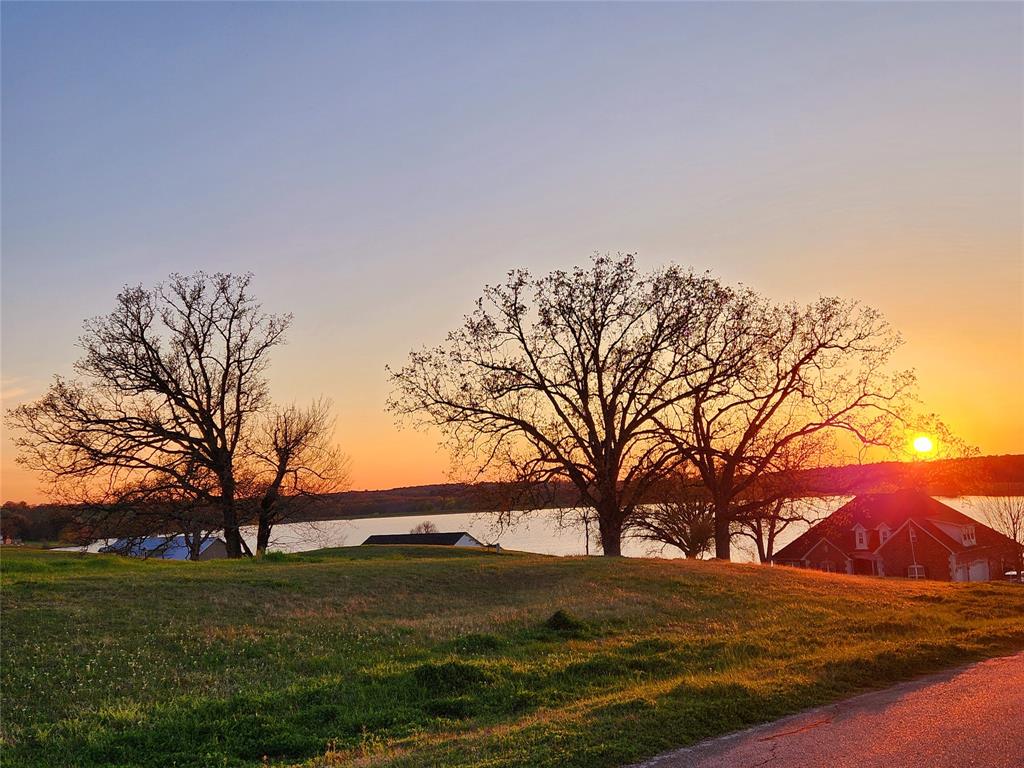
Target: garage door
(979, 570)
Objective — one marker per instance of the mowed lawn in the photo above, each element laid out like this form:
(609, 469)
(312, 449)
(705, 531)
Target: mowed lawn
(426, 657)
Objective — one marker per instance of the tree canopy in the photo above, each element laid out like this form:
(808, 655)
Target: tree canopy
(165, 409)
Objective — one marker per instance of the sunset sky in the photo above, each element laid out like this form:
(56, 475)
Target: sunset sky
(375, 165)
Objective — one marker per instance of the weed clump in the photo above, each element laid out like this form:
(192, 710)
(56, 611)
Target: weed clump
(565, 623)
(451, 708)
(478, 643)
(449, 677)
(274, 557)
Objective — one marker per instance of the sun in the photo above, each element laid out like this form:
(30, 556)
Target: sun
(923, 444)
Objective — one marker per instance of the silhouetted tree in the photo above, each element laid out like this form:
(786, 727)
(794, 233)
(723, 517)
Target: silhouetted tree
(820, 368)
(168, 387)
(685, 519)
(778, 501)
(293, 461)
(575, 377)
(425, 527)
(1006, 514)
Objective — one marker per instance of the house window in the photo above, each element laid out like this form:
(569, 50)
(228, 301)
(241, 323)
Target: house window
(862, 538)
(883, 534)
(915, 571)
(967, 536)
(913, 536)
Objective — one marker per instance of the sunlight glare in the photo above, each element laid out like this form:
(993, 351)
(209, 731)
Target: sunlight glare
(923, 444)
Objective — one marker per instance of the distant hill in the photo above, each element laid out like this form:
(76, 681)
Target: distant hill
(980, 476)
(983, 475)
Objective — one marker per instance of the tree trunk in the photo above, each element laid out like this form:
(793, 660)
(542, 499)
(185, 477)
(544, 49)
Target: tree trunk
(232, 536)
(611, 532)
(723, 534)
(262, 536)
(769, 546)
(611, 545)
(762, 547)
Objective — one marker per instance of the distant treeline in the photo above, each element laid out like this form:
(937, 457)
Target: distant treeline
(982, 476)
(976, 476)
(40, 522)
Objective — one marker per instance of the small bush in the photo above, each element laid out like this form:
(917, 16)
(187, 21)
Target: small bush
(453, 708)
(565, 623)
(449, 677)
(477, 643)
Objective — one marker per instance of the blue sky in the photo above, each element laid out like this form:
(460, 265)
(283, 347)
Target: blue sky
(375, 164)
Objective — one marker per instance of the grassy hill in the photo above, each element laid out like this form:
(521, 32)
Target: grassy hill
(422, 657)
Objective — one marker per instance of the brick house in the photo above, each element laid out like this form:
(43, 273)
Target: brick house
(906, 533)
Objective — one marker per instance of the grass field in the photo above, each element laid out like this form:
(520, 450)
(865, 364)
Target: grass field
(420, 657)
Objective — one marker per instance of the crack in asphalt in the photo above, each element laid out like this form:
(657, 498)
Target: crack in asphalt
(824, 721)
(772, 748)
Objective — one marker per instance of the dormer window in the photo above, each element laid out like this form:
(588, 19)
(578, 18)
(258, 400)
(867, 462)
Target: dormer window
(883, 533)
(860, 537)
(967, 536)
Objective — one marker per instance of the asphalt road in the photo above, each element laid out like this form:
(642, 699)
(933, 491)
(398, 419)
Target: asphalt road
(973, 716)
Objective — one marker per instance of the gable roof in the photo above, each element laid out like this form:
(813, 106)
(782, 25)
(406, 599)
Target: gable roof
(448, 539)
(828, 544)
(163, 547)
(893, 510)
(944, 541)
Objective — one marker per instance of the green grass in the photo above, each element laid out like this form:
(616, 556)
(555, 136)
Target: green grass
(423, 657)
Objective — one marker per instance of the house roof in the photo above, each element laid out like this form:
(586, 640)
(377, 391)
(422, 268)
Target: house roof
(448, 539)
(163, 547)
(873, 510)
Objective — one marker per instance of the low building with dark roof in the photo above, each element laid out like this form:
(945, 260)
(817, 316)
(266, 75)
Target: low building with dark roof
(455, 539)
(906, 533)
(166, 548)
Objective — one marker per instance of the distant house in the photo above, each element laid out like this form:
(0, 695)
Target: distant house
(906, 533)
(456, 539)
(166, 548)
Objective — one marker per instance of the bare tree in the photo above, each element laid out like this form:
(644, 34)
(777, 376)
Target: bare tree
(167, 387)
(574, 378)
(778, 501)
(822, 368)
(425, 527)
(292, 462)
(1006, 514)
(768, 523)
(685, 520)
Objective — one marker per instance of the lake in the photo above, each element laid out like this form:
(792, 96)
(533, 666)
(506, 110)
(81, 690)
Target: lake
(540, 532)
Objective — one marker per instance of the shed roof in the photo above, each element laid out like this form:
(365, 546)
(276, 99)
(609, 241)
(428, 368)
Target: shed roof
(448, 539)
(163, 547)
